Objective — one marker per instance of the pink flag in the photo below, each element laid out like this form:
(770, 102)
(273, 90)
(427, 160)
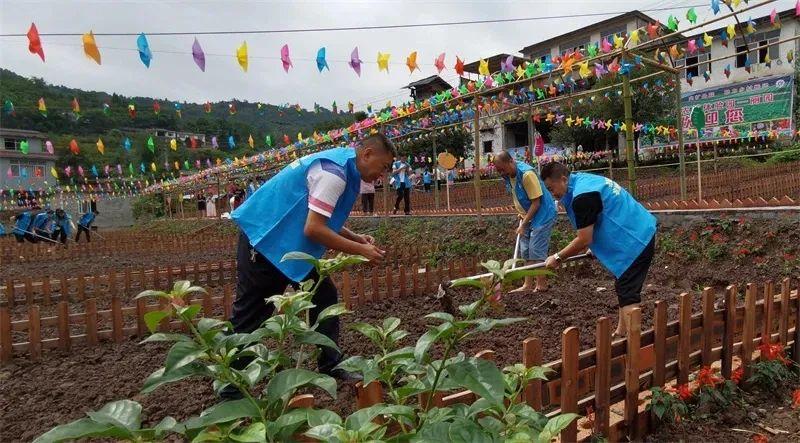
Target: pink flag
(198, 55)
(287, 62)
(439, 63)
(355, 62)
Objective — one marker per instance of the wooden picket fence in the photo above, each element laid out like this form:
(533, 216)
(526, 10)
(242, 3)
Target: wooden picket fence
(613, 373)
(25, 252)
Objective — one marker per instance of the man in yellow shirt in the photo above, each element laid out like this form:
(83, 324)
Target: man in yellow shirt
(537, 213)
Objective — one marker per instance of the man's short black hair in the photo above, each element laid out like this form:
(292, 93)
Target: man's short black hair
(381, 139)
(554, 170)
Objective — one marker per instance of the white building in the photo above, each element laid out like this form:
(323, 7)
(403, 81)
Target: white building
(19, 170)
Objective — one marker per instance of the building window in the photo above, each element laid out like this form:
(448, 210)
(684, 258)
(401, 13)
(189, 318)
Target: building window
(487, 147)
(741, 56)
(12, 144)
(758, 47)
(618, 30)
(29, 170)
(694, 64)
(542, 55)
(573, 45)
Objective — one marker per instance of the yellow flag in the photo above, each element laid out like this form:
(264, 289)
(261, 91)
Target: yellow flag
(90, 47)
(241, 56)
(53, 172)
(383, 61)
(177, 166)
(520, 72)
(634, 38)
(101, 147)
(731, 31)
(584, 70)
(173, 144)
(411, 62)
(618, 42)
(251, 142)
(483, 68)
(299, 136)
(569, 121)
(707, 40)
(153, 167)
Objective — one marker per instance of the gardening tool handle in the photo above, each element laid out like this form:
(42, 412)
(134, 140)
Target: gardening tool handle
(516, 249)
(526, 267)
(40, 236)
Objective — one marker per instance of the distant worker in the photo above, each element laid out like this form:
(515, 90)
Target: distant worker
(426, 180)
(619, 230)
(401, 173)
(85, 225)
(22, 227)
(536, 210)
(62, 226)
(367, 197)
(42, 224)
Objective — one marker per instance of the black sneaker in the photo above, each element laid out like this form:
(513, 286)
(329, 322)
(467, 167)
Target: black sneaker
(345, 376)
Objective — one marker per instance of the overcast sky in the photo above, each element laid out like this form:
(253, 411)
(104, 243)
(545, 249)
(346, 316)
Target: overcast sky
(174, 76)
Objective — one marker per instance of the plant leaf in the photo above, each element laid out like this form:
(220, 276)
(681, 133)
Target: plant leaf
(221, 413)
(479, 376)
(165, 336)
(181, 354)
(82, 428)
(367, 330)
(288, 380)
(180, 287)
(121, 413)
(151, 293)
(466, 281)
(325, 432)
(158, 379)
(390, 324)
(310, 337)
(153, 318)
(331, 311)
(300, 256)
(251, 434)
(554, 426)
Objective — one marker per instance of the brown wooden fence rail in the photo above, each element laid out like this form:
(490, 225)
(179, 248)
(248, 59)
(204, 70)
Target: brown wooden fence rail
(611, 374)
(49, 290)
(48, 251)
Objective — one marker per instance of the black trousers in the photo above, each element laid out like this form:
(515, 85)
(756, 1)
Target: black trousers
(258, 279)
(368, 203)
(41, 233)
(427, 187)
(83, 229)
(403, 193)
(60, 235)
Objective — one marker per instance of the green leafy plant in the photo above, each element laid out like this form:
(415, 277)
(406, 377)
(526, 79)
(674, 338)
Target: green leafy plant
(412, 378)
(772, 370)
(268, 382)
(666, 406)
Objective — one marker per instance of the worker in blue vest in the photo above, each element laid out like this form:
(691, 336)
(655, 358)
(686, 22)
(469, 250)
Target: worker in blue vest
(62, 226)
(401, 174)
(536, 210)
(426, 180)
(42, 224)
(22, 227)
(619, 230)
(85, 224)
(303, 208)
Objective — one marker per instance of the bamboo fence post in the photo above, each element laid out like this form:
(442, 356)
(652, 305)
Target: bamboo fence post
(389, 286)
(796, 347)
(227, 301)
(708, 325)
(569, 380)
(6, 349)
(632, 373)
(376, 290)
(749, 329)
(63, 326)
(729, 332)
(346, 296)
(602, 375)
(116, 319)
(402, 281)
(769, 299)
(532, 356)
(82, 287)
(64, 284)
(361, 288)
(785, 309)
(91, 322)
(34, 333)
(10, 293)
(684, 339)
(28, 291)
(46, 294)
(660, 344)
(141, 309)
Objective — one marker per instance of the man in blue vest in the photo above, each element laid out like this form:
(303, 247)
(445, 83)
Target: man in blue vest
(62, 226)
(426, 180)
(22, 227)
(42, 224)
(303, 208)
(85, 225)
(620, 232)
(536, 210)
(401, 172)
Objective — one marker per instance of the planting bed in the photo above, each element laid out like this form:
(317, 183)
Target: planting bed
(35, 396)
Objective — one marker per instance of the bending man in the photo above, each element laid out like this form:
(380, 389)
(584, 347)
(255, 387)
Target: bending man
(620, 232)
(303, 208)
(536, 210)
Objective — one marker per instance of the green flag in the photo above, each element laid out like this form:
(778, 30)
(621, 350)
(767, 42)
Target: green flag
(23, 146)
(698, 118)
(151, 145)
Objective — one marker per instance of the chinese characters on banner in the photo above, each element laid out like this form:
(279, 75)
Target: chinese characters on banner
(739, 110)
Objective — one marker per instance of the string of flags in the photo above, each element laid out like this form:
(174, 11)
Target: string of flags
(652, 30)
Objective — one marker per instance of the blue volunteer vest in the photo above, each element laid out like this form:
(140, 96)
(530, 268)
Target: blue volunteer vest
(2, 229)
(622, 230)
(86, 219)
(426, 178)
(41, 221)
(23, 224)
(274, 217)
(547, 206)
(64, 224)
(407, 180)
